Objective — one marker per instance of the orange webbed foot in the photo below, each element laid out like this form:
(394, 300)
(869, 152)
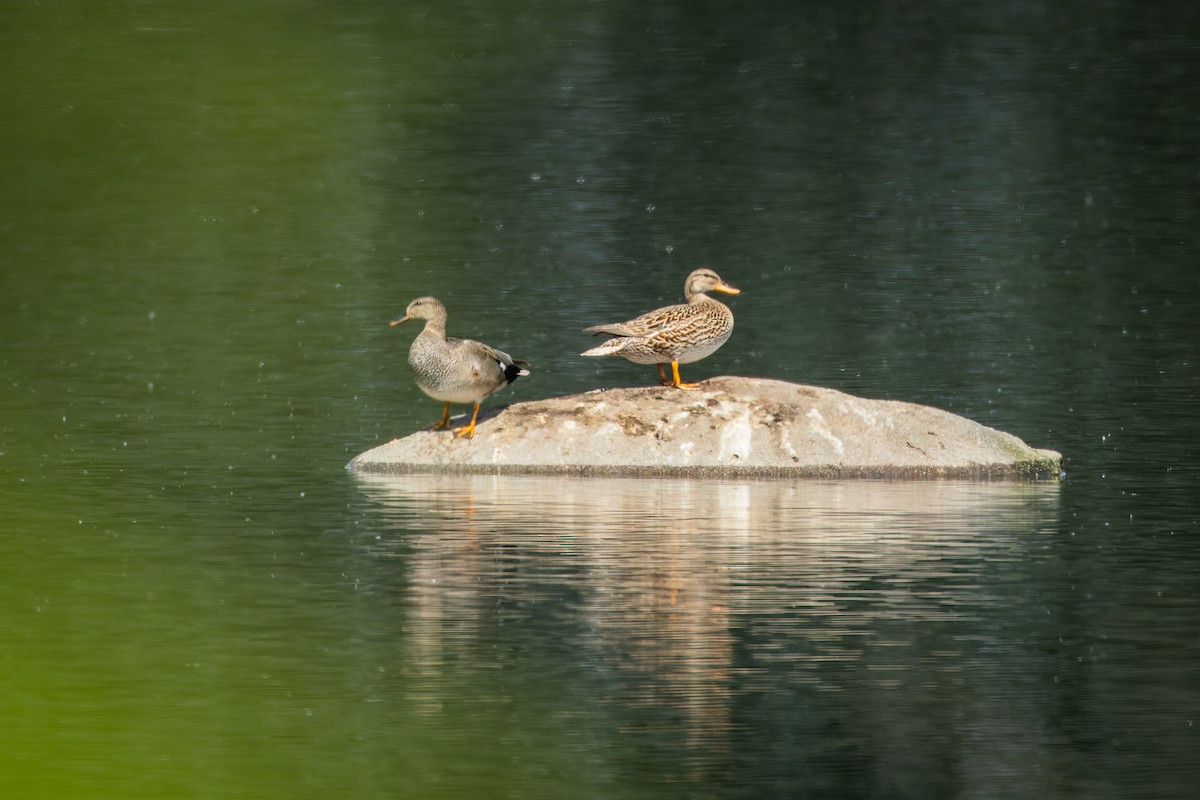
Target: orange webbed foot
(679, 384)
(444, 422)
(468, 430)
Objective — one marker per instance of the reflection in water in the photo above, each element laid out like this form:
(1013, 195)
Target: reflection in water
(698, 598)
(211, 209)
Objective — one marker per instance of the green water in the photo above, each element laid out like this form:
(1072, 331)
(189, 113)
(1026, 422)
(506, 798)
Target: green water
(210, 212)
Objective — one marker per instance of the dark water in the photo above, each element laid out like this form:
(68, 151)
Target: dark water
(211, 210)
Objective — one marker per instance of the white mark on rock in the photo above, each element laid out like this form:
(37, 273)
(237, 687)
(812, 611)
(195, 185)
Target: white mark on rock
(787, 446)
(735, 438)
(729, 409)
(821, 428)
(863, 414)
(607, 429)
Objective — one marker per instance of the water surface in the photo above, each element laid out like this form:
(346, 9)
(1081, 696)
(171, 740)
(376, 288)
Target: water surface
(211, 212)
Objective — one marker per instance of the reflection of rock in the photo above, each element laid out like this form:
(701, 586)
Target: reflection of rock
(731, 426)
(690, 596)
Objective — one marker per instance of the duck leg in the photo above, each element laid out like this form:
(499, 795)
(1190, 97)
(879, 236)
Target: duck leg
(445, 420)
(468, 430)
(663, 380)
(678, 383)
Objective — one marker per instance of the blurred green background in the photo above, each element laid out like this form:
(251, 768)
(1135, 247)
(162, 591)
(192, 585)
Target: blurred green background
(211, 210)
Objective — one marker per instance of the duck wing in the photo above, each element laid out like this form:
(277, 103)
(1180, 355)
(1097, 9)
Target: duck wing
(651, 322)
(485, 364)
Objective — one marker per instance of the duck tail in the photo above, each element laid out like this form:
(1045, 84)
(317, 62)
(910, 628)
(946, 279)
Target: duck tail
(615, 329)
(609, 348)
(516, 369)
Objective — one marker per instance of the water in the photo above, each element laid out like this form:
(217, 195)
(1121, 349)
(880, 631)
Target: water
(210, 213)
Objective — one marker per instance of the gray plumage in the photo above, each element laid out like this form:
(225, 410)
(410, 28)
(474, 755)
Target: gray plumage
(455, 370)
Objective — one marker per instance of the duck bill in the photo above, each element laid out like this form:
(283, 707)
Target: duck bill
(726, 288)
(396, 322)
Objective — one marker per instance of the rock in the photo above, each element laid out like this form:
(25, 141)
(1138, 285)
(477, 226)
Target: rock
(730, 426)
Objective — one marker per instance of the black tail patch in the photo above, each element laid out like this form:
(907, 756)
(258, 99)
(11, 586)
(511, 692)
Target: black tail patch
(515, 370)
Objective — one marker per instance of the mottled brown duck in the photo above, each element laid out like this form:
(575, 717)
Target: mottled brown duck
(673, 335)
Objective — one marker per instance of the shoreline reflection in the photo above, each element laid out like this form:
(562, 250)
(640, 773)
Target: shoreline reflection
(685, 595)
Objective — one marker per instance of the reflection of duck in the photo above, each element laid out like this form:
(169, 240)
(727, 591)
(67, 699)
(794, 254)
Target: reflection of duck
(677, 334)
(680, 584)
(455, 370)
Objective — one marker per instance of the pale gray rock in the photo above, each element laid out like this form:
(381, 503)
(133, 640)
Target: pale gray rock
(730, 426)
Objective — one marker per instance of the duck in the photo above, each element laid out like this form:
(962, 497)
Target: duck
(679, 334)
(455, 370)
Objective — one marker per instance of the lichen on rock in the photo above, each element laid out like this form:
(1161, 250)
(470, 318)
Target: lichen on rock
(730, 426)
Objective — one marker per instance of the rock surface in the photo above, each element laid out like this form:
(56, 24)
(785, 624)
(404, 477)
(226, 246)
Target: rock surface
(729, 427)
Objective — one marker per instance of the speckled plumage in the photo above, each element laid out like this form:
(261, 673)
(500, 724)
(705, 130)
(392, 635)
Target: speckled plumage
(455, 370)
(678, 334)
